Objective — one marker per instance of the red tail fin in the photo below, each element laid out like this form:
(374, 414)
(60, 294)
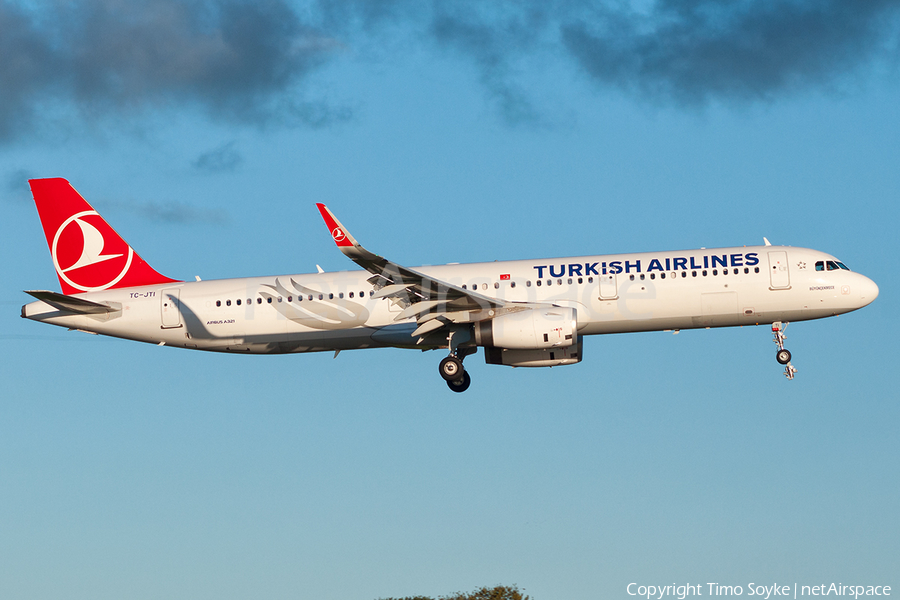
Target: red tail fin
(87, 253)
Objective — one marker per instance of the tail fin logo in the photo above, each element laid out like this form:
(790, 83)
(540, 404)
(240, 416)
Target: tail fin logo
(338, 235)
(78, 253)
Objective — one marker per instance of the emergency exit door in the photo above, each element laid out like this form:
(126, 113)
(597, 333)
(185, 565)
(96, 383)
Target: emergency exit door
(608, 287)
(169, 308)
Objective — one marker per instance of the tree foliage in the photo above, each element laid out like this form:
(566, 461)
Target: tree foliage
(501, 592)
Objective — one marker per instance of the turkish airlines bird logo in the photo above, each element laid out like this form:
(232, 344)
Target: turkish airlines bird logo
(82, 256)
(338, 234)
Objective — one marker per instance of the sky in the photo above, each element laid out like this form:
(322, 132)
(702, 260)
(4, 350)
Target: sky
(205, 132)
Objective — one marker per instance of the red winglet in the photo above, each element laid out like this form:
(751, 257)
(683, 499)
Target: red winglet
(88, 254)
(338, 233)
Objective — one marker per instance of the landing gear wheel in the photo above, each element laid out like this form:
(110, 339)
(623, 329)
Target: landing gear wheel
(460, 385)
(783, 356)
(450, 368)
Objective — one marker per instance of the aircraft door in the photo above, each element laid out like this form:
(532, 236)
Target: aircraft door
(170, 309)
(779, 276)
(608, 288)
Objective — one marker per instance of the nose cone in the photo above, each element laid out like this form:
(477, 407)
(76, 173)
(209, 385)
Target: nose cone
(868, 291)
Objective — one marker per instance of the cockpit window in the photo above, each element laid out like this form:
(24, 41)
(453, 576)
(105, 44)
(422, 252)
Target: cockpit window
(831, 265)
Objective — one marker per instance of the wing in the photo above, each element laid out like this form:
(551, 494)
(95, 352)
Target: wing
(434, 303)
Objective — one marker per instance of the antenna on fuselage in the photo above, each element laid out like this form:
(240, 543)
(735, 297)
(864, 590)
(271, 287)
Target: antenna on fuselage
(766, 240)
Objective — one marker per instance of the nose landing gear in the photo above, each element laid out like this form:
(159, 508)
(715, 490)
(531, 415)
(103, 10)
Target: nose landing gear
(783, 356)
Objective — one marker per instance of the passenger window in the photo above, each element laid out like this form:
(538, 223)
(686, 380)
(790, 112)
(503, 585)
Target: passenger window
(259, 300)
(549, 282)
(218, 303)
(693, 273)
(652, 276)
(631, 277)
(684, 273)
(512, 284)
(756, 269)
(746, 270)
(580, 280)
(269, 300)
(642, 276)
(539, 283)
(527, 283)
(590, 280)
(309, 298)
(662, 275)
(341, 295)
(351, 294)
(228, 303)
(715, 272)
(321, 297)
(331, 296)
(559, 282)
(290, 298)
(464, 287)
(238, 301)
(496, 285)
(570, 281)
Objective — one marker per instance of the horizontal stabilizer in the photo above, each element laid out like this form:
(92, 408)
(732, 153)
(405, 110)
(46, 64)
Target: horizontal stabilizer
(70, 303)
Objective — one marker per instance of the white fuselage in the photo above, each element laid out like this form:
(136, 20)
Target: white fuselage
(610, 294)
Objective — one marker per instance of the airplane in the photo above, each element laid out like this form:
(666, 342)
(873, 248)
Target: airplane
(524, 313)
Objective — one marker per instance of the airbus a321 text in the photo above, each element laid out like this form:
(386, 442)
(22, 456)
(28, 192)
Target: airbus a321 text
(524, 313)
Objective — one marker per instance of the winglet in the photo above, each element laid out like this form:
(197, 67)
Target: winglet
(345, 242)
(340, 235)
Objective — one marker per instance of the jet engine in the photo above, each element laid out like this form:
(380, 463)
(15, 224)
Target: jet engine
(531, 329)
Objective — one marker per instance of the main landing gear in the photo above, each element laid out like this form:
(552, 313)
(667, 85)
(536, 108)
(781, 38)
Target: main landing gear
(783, 356)
(451, 369)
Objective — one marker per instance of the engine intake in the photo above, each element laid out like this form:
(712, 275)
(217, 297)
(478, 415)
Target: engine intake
(531, 329)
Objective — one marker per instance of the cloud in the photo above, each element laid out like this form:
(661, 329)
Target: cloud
(693, 51)
(177, 213)
(252, 62)
(223, 158)
(237, 61)
(17, 184)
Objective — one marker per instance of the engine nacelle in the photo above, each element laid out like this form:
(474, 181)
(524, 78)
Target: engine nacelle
(545, 357)
(531, 329)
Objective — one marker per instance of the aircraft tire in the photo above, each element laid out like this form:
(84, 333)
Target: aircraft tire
(783, 357)
(460, 385)
(450, 368)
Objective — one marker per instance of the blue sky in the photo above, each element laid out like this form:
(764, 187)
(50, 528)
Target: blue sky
(206, 133)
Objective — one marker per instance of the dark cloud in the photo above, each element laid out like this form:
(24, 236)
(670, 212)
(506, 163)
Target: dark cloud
(223, 158)
(250, 62)
(692, 51)
(495, 41)
(237, 61)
